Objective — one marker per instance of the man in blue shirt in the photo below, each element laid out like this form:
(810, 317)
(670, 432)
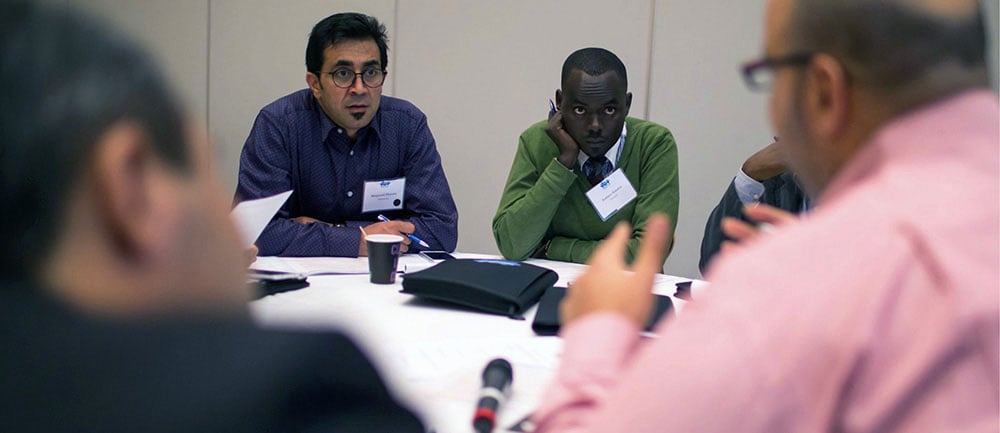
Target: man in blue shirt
(343, 148)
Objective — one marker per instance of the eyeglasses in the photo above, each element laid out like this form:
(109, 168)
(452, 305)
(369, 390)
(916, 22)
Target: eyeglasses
(759, 75)
(371, 77)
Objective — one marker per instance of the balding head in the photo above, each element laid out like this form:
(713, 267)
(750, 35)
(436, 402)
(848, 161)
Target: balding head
(928, 47)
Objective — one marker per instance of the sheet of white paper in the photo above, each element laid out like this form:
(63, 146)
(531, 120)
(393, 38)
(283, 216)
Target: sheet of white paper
(252, 216)
(447, 374)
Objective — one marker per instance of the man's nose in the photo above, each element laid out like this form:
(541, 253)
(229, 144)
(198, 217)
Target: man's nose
(593, 125)
(358, 86)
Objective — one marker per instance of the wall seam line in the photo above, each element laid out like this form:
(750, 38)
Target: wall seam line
(208, 67)
(395, 32)
(649, 59)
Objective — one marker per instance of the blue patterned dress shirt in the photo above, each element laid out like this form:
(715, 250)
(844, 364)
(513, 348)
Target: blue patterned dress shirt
(294, 146)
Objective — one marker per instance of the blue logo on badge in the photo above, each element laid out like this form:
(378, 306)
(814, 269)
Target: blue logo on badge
(384, 183)
(605, 183)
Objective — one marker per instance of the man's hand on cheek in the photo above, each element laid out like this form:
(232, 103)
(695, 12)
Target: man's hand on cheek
(568, 148)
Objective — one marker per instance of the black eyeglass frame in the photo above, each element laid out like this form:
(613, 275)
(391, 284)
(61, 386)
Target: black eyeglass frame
(384, 73)
(750, 69)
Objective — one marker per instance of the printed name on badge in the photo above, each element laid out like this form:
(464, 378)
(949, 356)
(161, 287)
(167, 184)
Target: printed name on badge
(611, 194)
(382, 195)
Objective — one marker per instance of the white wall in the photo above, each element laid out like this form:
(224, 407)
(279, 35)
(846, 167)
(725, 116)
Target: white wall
(483, 71)
(699, 94)
(176, 31)
(991, 8)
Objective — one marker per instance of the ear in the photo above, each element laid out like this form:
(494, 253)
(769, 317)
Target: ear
(559, 99)
(628, 102)
(828, 97)
(123, 172)
(314, 84)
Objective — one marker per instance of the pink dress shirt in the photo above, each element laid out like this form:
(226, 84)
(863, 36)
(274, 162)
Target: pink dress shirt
(880, 312)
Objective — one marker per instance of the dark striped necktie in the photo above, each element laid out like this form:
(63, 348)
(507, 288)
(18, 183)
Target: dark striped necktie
(596, 168)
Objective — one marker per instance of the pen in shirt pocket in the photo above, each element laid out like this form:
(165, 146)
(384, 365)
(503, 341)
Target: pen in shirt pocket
(412, 237)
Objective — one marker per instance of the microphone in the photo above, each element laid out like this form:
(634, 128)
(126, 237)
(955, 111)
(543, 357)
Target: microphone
(496, 382)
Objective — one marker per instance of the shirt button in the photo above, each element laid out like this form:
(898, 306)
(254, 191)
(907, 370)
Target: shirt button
(340, 131)
(350, 193)
(756, 196)
(351, 153)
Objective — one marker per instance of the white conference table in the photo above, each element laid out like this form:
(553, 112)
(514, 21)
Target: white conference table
(430, 354)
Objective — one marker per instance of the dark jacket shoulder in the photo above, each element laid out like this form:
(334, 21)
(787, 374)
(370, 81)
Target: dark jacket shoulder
(72, 372)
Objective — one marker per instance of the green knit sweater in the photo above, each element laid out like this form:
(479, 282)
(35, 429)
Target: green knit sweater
(543, 202)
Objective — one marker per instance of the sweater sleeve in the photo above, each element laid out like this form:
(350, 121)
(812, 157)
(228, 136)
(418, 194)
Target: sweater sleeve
(729, 206)
(530, 199)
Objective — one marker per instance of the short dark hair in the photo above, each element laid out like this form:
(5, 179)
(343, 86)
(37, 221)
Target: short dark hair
(347, 26)
(594, 61)
(887, 43)
(65, 80)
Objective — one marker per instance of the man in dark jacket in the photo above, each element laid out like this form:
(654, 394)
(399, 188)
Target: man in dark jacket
(763, 179)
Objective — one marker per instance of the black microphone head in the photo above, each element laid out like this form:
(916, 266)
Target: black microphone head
(498, 368)
(482, 425)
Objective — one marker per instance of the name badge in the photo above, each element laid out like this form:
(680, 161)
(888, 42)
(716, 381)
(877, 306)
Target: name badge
(383, 195)
(612, 194)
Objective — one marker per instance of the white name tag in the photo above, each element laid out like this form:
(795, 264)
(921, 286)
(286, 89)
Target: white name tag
(383, 195)
(612, 194)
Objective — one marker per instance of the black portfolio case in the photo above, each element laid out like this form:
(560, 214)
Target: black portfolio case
(494, 286)
(547, 318)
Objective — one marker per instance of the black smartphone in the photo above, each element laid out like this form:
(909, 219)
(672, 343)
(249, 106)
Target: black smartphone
(436, 255)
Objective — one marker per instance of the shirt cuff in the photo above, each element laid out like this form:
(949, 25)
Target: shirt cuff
(555, 160)
(747, 188)
(597, 345)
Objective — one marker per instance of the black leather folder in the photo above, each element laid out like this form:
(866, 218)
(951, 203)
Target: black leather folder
(493, 286)
(547, 318)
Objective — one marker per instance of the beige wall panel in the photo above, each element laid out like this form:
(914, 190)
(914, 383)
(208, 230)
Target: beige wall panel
(698, 93)
(176, 31)
(257, 50)
(484, 71)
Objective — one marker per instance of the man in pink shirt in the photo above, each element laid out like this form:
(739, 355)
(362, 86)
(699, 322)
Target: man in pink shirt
(878, 312)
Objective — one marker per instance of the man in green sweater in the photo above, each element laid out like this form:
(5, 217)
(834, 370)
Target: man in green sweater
(544, 211)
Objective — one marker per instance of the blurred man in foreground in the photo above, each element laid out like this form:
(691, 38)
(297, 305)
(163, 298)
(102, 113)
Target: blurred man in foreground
(876, 313)
(122, 283)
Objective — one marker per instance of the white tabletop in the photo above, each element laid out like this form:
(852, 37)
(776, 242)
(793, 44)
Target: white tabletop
(430, 354)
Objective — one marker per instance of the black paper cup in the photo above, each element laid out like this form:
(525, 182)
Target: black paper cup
(383, 255)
